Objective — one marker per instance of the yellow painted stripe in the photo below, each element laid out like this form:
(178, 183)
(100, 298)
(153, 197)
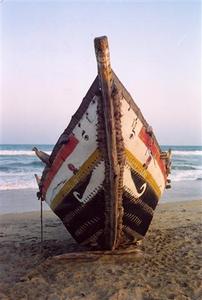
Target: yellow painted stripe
(83, 171)
(137, 166)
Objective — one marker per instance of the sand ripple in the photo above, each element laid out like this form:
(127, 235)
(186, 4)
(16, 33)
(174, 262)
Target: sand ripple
(169, 267)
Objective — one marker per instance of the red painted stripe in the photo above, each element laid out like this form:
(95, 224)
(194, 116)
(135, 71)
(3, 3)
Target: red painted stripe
(62, 154)
(150, 144)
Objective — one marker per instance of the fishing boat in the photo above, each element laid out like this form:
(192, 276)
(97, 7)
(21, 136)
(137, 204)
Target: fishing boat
(106, 172)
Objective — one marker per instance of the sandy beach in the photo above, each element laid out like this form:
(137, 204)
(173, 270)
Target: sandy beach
(167, 264)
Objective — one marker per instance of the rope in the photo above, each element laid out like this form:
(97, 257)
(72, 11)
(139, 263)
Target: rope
(41, 222)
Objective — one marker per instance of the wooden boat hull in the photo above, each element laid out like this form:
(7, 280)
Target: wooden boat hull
(105, 174)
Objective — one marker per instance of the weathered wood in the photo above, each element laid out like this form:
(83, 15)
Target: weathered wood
(101, 189)
(38, 180)
(44, 157)
(98, 254)
(106, 85)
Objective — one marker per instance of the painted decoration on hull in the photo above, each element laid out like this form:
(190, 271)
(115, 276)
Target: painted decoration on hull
(106, 172)
(139, 141)
(73, 186)
(139, 203)
(144, 175)
(82, 209)
(75, 159)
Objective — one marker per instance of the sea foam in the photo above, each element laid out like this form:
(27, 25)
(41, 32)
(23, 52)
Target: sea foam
(19, 152)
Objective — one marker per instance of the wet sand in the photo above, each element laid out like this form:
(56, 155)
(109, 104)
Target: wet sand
(167, 264)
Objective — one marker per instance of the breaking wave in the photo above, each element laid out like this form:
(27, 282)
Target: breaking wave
(187, 153)
(18, 164)
(19, 153)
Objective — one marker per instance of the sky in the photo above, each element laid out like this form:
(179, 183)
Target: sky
(47, 64)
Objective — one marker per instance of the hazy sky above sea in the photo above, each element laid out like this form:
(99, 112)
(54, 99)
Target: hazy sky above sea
(48, 64)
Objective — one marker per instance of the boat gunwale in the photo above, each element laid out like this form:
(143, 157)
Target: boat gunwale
(127, 96)
(95, 90)
(77, 115)
(85, 103)
(109, 91)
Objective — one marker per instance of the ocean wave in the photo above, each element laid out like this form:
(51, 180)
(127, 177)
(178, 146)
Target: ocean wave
(184, 167)
(18, 186)
(186, 175)
(19, 152)
(32, 153)
(13, 166)
(187, 153)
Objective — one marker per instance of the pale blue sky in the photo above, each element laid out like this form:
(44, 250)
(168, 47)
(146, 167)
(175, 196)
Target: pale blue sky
(48, 64)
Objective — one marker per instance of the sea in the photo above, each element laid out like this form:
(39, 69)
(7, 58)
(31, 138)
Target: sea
(18, 186)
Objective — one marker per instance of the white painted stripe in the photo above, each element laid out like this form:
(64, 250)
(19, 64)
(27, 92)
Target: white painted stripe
(135, 145)
(86, 134)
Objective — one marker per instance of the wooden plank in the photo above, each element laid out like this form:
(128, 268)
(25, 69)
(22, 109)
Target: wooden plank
(106, 84)
(98, 254)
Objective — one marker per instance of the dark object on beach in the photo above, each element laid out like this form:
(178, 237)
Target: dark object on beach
(107, 172)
